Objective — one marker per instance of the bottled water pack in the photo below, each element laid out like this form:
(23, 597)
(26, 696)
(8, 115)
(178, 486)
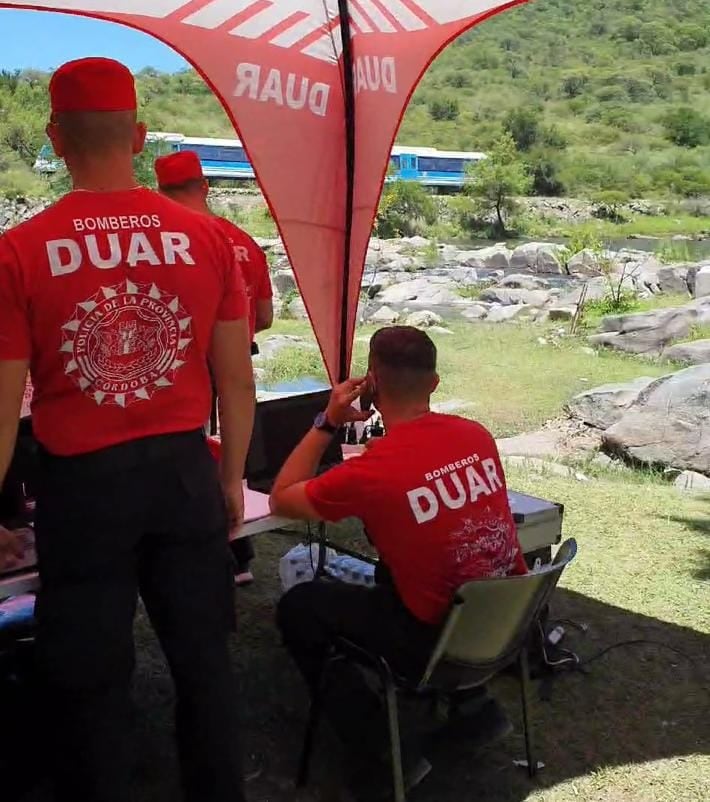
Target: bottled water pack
(301, 562)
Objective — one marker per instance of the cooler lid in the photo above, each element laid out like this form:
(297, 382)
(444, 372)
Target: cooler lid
(530, 509)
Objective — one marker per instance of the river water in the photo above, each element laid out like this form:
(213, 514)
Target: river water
(697, 250)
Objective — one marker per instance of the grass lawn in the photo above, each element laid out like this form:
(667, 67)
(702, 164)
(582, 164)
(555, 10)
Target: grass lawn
(513, 382)
(633, 729)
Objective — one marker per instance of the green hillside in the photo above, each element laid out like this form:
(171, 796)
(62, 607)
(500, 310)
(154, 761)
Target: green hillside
(599, 95)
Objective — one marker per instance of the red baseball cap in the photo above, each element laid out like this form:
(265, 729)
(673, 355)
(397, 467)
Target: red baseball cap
(92, 84)
(177, 169)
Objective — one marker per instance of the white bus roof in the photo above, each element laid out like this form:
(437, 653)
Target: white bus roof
(397, 150)
(401, 150)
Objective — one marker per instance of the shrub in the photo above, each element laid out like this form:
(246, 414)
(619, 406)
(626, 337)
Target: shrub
(574, 84)
(524, 126)
(686, 127)
(546, 180)
(404, 207)
(608, 205)
(442, 109)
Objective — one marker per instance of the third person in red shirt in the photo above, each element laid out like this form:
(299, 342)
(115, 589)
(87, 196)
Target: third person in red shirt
(180, 177)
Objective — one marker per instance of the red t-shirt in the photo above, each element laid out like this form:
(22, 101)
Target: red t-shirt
(113, 297)
(255, 268)
(433, 499)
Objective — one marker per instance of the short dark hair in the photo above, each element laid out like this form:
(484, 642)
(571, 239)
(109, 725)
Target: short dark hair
(404, 360)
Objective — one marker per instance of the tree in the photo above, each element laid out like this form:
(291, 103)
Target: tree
(692, 37)
(524, 126)
(686, 127)
(494, 182)
(658, 38)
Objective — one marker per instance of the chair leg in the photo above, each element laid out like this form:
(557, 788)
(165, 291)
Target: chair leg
(524, 670)
(395, 741)
(314, 715)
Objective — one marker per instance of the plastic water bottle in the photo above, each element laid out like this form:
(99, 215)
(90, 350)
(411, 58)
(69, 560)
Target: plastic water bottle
(368, 572)
(350, 566)
(356, 575)
(334, 567)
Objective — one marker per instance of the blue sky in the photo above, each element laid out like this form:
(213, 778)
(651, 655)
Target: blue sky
(42, 40)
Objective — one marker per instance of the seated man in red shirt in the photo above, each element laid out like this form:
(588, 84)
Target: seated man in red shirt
(180, 178)
(433, 499)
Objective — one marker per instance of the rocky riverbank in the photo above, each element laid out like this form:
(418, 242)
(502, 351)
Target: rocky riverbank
(536, 281)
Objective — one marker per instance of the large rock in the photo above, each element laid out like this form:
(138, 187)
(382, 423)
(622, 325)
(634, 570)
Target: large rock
(495, 257)
(669, 423)
(398, 262)
(463, 275)
(524, 281)
(503, 314)
(692, 353)
(424, 319)
(604, 406)
(586, 263)
(650, 333)
(296, 309)
(561, 312)
(468, 259)
(692, 482)
(384, 315)
(702, 282)
(646, 275)
(271, 346)
(502, 295)
(673, 279)
(476, 311)
(283, 282)
(538, 257)
(415, 242)
(597, 288)
(421, 291)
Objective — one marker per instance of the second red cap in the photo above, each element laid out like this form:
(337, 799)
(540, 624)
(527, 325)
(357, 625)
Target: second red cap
(176, 169)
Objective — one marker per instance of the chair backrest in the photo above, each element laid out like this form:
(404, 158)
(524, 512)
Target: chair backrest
(490, 618)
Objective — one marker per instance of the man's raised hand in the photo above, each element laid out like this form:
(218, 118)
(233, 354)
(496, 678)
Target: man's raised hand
(340, 407)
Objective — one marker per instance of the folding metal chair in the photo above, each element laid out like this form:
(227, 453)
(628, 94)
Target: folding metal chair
(487, 629)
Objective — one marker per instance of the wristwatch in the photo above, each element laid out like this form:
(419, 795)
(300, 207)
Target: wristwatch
(322, 423)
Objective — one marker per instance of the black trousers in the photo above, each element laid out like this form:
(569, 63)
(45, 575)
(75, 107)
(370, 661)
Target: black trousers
(243, 553)
(146, 517)
(310, 615)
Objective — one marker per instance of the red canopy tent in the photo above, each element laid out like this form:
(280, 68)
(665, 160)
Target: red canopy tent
(316, 90)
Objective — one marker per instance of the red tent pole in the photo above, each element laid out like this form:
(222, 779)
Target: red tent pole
(349, 95)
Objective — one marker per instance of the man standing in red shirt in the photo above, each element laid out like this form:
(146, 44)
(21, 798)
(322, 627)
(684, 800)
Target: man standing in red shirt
(180, 178)
(433, 500)
(114, 298)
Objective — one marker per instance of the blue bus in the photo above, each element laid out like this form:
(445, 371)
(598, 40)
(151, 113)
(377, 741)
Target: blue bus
(226, 159)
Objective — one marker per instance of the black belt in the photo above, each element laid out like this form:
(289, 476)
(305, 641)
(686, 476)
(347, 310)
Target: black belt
(127, 455)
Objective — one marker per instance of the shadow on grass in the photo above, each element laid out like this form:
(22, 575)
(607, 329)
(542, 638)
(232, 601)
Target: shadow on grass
(638, 704)
(701, 569)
